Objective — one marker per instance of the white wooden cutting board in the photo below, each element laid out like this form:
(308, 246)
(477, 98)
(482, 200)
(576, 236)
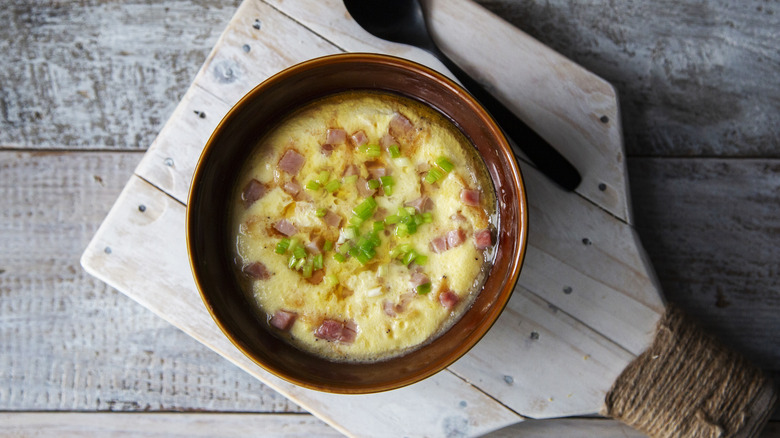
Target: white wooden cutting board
(586, 302)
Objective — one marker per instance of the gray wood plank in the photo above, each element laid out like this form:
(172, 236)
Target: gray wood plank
(694, 78)
(712, 230)
(68, 341)
(99, 75)
(271, 425)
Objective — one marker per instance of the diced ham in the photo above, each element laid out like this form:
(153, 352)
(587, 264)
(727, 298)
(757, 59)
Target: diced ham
(419, 278)
(389, 308)
(376, 170)
(257, 270)
(327, 149)
(285, 227)
(291, 162)
(331, 219)
(363, 189)
(283, 319)
(455, 238)
(316, 244)
(380, 214)
(316, 276)
(439, 244)
(422, 204)
(457, 217)
(423, 167)
(336, 136)
(351, 170)
(448, 299)
(400, 126)
(253, 191)
(470, 197)
(386, 141)
(359, 138)
(393, 309)
(332, 330)
(483, 239)
(291, 187)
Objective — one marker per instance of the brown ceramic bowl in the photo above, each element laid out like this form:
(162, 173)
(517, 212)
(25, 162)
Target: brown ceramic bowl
(215, 176)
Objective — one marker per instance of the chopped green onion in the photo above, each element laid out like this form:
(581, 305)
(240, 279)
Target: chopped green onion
(392, 219)
(350, 180)
(423, 289)
(373, 237)
(327, 246)
(388, 190)
(427, 217)
(444, 164)
(300, 264)
(321, 212)
(378, 226)
(410, 211)
(344, 249)
(317, 261)
(362, 258)
(434, 175)
(387, 180)
(339, 257)
(313, 185)
(394, 151)
(401, 230)
(331, 280)
(294, 242)
(350, 232)
(418, 219)
(372, 150)
(381, 271)
(421, 259)
(308, 267)
(292, 262)
(282, 246)
(356, 221)
(299, 252)
(365, 209)
(373, 184)
(409, 257)
(323, 177)
(332, 186)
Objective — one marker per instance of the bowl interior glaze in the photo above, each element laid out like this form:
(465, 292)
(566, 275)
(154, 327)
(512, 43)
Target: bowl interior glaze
(208, 226)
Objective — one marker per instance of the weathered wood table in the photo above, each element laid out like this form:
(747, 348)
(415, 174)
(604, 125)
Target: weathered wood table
(87, 86)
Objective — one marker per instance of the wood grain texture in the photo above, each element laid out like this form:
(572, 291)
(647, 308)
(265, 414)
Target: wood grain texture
(712, 229)
(99, 74)
(68, 341)
(694, 78)
(87, 425)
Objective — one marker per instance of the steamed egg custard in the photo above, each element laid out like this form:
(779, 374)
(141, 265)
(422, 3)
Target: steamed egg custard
(363, 226)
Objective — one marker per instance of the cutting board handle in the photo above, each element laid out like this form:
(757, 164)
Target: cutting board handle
(689, 385)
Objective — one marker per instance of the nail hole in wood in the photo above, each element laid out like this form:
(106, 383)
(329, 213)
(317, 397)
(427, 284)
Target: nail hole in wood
(257, 24)
(142, 208)
(602, 187)
(107, 250)
(246, 48)
(567, 290)
(586, 241)
(604, 119)
(509, 380)
(534, 336)
(168, 162)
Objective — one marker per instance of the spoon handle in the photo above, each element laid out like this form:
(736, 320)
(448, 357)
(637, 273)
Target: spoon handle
(548, 160)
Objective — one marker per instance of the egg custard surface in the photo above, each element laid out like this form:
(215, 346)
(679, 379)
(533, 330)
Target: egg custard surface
(363, 226)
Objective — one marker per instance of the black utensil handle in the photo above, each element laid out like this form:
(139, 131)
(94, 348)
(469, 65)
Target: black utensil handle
(548, 160)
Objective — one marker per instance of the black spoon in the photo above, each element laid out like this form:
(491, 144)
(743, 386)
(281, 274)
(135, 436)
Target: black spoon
(403, 21)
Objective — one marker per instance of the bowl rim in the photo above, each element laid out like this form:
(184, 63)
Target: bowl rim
(516, 180)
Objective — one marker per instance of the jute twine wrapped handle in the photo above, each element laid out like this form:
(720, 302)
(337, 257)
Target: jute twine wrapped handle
(688, 385)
